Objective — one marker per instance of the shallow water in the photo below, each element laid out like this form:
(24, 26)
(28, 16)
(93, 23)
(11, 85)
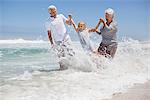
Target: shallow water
(88, 77)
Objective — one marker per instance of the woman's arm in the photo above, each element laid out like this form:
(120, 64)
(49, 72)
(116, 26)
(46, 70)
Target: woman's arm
(96, 28)
(99, 22)
(112, 26)
(98, 32)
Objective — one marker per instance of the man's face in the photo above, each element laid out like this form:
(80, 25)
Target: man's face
(52, 12)
(108, 17)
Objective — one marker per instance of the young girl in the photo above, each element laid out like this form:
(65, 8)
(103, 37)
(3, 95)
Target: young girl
(84, 36)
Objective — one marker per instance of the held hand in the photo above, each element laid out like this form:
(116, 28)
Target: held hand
(70, 16)
(101, 20)
(94, 30)
(69, 19)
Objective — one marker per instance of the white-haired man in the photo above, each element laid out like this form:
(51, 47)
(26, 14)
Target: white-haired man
(108, 31)
(57, 33)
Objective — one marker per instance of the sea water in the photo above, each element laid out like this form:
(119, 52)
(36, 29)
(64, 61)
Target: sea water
(25, 71)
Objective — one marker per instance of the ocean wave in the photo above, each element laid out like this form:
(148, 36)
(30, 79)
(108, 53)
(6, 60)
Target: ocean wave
(21, 41)
(87, 77)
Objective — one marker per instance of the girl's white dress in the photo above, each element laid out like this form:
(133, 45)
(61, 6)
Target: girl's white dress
(85, 41)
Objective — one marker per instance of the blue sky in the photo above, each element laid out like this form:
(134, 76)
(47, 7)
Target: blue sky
(25, 18)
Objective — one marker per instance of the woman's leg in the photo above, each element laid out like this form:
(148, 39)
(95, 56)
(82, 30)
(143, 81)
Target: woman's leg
(102, 49)
(113, 51)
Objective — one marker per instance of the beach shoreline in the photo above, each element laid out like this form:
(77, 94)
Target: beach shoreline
(137, 92)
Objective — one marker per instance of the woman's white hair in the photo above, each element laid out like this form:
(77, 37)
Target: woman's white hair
(52, 7)
(110, 11)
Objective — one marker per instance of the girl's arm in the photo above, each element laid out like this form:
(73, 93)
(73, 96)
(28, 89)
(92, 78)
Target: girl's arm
(94, 30)
(74, 25)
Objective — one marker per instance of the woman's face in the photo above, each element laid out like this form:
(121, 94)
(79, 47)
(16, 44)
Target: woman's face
(108, 17)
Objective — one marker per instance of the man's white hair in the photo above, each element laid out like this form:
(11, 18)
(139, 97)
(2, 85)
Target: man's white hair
(52, 7)
(110, 11)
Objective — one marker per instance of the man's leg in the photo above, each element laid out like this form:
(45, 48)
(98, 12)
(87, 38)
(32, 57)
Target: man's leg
(62, 66)
(69, 48)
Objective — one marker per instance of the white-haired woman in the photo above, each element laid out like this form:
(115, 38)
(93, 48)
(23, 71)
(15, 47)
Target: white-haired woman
(108, 45)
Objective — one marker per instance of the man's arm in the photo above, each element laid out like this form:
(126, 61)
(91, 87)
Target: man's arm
(66, 20)
(50, 37)
(47, 26)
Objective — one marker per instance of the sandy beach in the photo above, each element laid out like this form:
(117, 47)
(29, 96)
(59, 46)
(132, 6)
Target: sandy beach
(138, 92)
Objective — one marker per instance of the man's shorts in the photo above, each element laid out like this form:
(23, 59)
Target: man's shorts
(63, 49)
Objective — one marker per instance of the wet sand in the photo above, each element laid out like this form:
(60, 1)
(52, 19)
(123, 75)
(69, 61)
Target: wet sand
(138, 92)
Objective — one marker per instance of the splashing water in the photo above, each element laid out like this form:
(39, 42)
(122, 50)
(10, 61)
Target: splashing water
(87, 77)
